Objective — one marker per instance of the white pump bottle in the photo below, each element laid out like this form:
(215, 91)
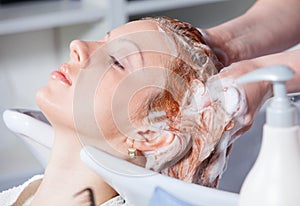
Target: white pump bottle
(274, 179)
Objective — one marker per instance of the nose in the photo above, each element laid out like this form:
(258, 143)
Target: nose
(80, 52)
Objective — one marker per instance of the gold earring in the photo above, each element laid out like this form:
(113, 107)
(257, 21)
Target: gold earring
(131, 151)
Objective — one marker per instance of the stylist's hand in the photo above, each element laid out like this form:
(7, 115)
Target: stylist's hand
(258, 92)
(218, 42)
(269, 26)
(255, 93)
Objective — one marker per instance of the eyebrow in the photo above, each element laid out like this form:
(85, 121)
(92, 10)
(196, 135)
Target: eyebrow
(138, 48)
(133, 43)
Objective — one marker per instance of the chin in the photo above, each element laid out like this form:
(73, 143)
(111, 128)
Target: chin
(43, 102)
(41, 98)
(53, 108)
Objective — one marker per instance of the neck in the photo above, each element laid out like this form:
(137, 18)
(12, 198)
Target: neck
(66, 174)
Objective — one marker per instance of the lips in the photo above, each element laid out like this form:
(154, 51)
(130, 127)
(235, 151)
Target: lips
(62, 74)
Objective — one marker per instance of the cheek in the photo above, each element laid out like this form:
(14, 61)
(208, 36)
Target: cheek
(103, 106)
(114, 110)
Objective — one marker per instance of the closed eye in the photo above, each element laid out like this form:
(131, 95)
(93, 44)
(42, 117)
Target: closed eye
(117, 63)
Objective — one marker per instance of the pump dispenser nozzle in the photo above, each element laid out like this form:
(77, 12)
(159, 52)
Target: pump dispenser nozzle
(280, 112)
(275, 177)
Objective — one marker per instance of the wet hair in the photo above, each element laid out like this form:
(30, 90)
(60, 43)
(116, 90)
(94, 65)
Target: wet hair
(195, 62)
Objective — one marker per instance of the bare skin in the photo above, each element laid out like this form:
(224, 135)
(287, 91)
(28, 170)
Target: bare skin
(258, 92)
(66, 174)
(268, 27)
(233, 41)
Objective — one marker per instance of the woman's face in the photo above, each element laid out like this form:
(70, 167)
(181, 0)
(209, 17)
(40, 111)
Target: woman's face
(106, 82)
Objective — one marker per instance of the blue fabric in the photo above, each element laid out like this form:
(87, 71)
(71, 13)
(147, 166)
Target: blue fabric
(161, 197)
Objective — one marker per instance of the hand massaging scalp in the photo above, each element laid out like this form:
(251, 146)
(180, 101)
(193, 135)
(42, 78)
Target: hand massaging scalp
(228, 102)
(215, 107)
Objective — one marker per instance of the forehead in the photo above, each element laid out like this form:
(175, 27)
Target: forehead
(144, 36)
(132, 27)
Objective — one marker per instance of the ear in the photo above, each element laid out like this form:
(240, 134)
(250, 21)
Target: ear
(165, 150)
(153, 140)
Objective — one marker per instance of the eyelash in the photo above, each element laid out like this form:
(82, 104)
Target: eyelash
(117, 63)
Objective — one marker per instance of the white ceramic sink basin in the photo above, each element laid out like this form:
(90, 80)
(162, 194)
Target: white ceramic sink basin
(243, 155)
